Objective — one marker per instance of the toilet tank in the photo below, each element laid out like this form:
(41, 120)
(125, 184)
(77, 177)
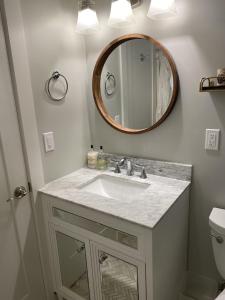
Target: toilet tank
(217, 224)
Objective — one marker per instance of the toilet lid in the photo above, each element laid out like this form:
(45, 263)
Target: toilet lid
(217, 220)
(221, 296)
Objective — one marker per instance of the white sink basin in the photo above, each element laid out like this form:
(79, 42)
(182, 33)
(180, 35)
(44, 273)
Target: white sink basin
(116, 188)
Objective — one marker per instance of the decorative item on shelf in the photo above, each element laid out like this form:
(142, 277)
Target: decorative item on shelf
(221, 76)
(121, 13)
(55, 76)
(110, 84)
(87, 21)
(214, 83)
(161, 9)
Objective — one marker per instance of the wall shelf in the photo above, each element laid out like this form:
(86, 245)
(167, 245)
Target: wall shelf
(211, 84)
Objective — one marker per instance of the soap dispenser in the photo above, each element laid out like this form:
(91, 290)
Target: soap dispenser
(92, 158)
(102, 162)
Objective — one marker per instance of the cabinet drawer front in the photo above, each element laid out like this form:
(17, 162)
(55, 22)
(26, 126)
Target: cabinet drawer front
(108, 230)
(97, 228)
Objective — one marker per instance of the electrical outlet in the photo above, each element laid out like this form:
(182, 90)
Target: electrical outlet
(49, 142)
(212, 138)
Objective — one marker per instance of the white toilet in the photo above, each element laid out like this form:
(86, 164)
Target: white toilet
(217, 224)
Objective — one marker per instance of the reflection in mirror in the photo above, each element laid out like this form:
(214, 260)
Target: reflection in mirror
(100, 229)
(137, 84)
(73, 265)
(119, 279)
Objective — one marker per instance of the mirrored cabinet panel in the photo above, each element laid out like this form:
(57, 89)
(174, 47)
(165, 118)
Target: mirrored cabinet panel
(98, 228)
(119, 279)
(73, 264)
(87, 270)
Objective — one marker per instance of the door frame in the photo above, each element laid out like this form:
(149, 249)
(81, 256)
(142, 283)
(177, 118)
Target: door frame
(15, 40)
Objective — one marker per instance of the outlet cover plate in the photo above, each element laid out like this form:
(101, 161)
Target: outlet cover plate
(212, 138)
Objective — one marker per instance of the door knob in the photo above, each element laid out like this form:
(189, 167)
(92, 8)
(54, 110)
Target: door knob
(19, 193)
(218, 238)
(102, 258)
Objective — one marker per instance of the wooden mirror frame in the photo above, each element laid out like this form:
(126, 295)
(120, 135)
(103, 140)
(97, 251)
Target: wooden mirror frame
(96, 82)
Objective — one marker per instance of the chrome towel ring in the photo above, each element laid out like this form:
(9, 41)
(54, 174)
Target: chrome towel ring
(55, 76)
(110, 84)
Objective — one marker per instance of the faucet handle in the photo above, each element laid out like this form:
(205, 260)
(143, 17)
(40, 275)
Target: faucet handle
(122, 161)
(117, 166)
(143, 174)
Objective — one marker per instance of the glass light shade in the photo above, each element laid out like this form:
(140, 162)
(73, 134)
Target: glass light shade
(87, 21)
(121, 13)
(160, 9)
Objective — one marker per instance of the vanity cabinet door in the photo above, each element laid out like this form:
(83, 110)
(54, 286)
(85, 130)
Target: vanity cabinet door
(117, 276)
(72, 264)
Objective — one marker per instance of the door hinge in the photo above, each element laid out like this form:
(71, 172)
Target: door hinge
(29, 187)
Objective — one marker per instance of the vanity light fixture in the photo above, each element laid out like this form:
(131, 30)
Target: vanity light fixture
(87, 21)
(161, 9)
(121, 13)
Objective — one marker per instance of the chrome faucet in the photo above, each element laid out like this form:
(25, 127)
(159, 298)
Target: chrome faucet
(118, 164)
(143, 173)
(117, 168)
(130, 168)
(122, 162)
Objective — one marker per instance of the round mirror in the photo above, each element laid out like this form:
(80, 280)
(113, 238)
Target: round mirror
(135, 83)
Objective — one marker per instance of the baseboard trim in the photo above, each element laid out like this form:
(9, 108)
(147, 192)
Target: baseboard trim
(199, 288)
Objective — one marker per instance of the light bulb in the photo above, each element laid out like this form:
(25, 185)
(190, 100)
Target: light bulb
(121, 13)
(160, 9)
(87, 21)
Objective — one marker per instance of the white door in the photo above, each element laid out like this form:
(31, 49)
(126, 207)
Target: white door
(20, 271)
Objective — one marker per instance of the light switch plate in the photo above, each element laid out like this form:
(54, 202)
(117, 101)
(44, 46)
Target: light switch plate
(49, 142)
(212, 138)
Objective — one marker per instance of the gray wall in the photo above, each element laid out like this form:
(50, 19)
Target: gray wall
(196, 40)
(53, 45)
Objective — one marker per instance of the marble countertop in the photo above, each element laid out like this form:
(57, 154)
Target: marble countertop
(145, 210)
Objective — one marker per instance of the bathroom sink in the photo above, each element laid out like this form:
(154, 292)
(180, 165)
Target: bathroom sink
(116, 188)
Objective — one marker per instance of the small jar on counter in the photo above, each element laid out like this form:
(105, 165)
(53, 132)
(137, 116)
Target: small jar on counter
(92, 158)
(102, 161)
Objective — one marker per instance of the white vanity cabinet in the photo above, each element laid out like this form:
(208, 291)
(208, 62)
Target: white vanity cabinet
(92, 258)
(97, 256)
